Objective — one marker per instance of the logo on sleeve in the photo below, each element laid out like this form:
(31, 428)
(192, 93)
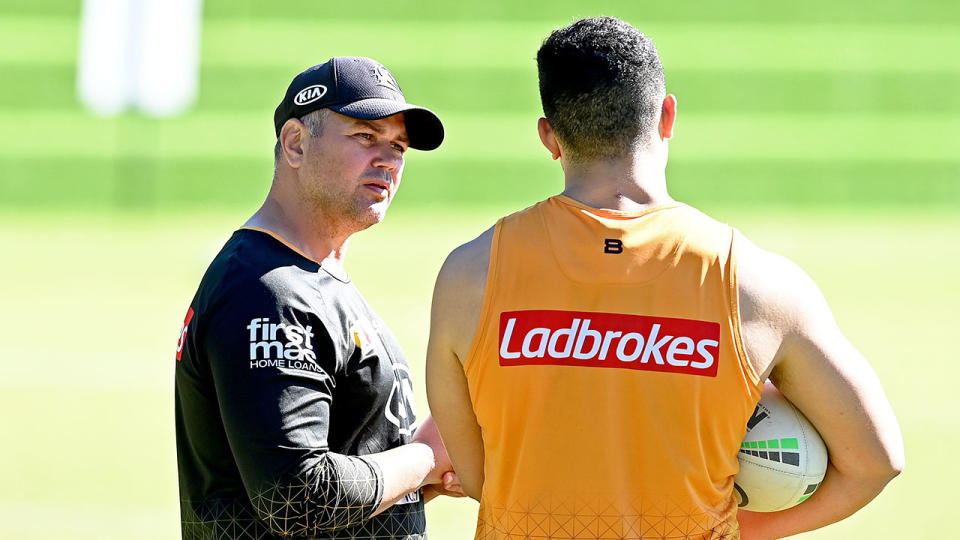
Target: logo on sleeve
(183, 333)
(613, 340)
(281, 345)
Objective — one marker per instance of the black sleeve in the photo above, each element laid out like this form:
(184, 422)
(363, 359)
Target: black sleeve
(274, 371)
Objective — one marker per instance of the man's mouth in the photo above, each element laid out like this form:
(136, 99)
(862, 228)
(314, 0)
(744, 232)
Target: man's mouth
(381, 187)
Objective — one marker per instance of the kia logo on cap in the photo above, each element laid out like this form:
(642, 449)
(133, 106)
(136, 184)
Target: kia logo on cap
(310, 94)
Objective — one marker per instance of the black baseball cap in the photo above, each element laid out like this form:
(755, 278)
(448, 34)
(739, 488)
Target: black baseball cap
(361, 88)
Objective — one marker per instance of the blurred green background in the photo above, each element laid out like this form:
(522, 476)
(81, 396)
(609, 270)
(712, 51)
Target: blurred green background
(827, 131)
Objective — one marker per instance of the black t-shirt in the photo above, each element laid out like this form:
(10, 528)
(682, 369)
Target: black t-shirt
(285, 378)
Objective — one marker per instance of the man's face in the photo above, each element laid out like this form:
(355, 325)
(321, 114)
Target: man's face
(352, 170)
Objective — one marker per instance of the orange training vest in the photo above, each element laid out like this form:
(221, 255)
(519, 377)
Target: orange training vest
(608, 375)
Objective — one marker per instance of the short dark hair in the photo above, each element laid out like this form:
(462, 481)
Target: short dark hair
(602, 87)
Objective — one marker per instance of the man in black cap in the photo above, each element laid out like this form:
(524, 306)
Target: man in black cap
(294, 405)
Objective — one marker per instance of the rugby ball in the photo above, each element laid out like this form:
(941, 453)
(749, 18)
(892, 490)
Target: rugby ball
(782, 457)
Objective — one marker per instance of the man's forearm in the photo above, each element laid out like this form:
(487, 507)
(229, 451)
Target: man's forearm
(839, 496)
(404, 469)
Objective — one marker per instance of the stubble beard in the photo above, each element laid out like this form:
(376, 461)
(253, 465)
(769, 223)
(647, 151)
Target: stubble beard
(346, 213)
(367, 215)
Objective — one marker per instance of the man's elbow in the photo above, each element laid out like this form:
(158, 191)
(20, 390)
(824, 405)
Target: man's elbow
(893, 466)
(893, 459)
(882, 474)
(337, 492)
(879, 469)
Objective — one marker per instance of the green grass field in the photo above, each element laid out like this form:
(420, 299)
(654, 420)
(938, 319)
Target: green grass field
(826, 131)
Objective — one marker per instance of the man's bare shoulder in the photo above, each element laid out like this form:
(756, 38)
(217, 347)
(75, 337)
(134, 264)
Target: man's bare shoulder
(468, 263)
(778, 303)
(459, 293)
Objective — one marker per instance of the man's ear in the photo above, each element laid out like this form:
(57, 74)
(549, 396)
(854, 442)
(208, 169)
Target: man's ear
(548, 137)
(292, 135)
(668, 117)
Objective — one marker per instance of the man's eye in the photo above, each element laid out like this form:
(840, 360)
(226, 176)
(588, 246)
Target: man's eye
(367, 136)
(399, 148)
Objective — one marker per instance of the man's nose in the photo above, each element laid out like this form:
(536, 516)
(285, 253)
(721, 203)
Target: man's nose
(388, 159)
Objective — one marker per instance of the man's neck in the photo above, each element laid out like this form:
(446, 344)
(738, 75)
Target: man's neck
(631, 184)
(309, 233)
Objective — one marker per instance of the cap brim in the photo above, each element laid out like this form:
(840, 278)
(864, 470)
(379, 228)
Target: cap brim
(424, 128)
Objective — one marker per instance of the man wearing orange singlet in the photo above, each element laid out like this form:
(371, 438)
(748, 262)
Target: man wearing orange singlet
(594, 359)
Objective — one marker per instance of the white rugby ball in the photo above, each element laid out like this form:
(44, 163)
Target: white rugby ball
(782, 457)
